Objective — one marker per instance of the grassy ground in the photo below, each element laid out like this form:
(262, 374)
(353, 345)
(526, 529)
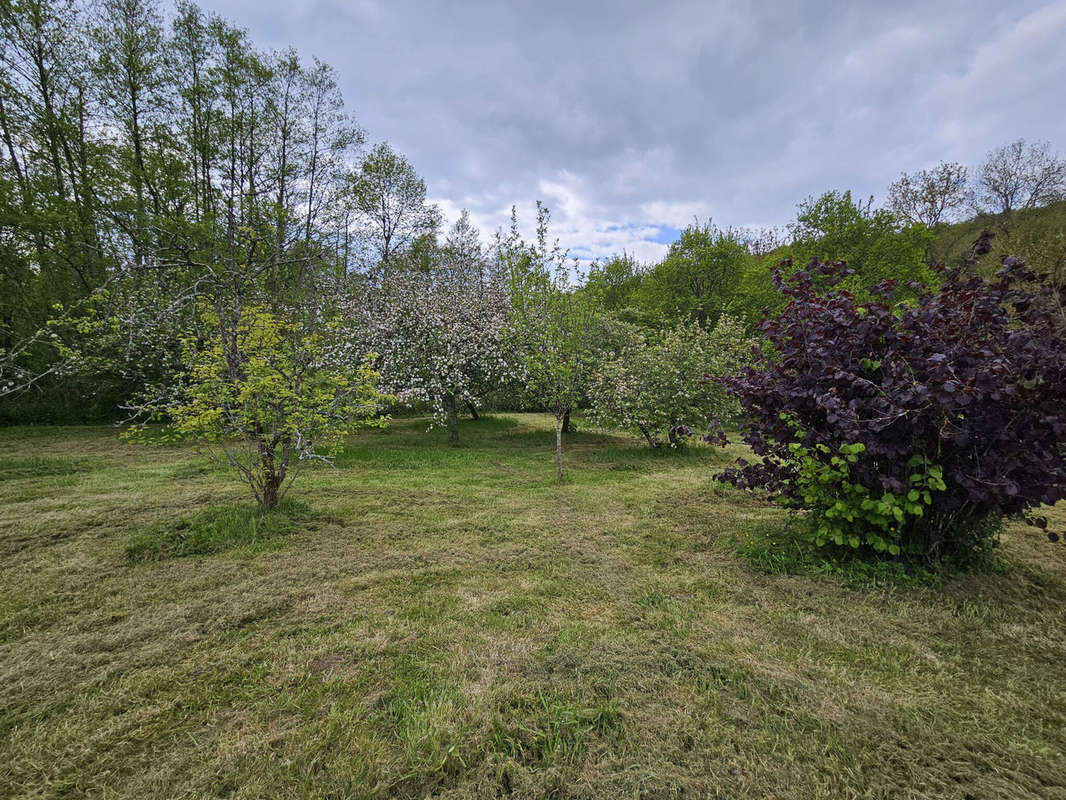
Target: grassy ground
(426, 620)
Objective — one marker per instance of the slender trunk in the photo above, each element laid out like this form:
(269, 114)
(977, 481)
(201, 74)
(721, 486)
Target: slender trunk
(559, 447)
(453, 420)
(567, 428)
(473, 410)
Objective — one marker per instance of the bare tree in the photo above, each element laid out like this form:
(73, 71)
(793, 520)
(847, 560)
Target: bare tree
(930, 196)
(1018, 176)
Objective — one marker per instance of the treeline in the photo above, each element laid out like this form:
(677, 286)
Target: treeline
(156, 166)
(1012, 204)
(161, 143)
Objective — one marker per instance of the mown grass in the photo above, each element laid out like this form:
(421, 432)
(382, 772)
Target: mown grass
(426, 620)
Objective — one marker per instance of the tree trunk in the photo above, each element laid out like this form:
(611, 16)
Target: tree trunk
(453, 421)
(270, 492)
(559, 447)
(567, 427)
(647, 435)
(270, 482)
(473, 410)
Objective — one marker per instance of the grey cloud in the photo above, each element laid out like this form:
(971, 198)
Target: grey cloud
(630, 115)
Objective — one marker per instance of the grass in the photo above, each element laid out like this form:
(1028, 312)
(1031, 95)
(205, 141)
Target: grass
(427, 620)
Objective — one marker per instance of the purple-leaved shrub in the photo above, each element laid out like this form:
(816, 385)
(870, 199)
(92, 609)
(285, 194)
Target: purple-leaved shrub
(914, 427)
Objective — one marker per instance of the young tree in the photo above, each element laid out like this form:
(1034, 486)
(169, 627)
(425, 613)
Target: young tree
(1020, 175)
(930, 196)
(257, 387)
(661, 388)
(551, 323)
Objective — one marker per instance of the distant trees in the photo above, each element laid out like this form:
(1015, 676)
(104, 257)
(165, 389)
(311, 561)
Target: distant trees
(697, 277)
(930, 196)
(836, 226)
(1020, 175)
(614, 282)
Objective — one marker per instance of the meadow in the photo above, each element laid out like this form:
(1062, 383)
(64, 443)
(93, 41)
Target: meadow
(428, 620)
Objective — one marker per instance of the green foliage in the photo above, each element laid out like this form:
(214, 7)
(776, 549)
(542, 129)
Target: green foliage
(614, 283)
(843, 512)
(785, 549)
(660, 388)
(698, 277)
(835, 227)
(258, 389)
(755, 296)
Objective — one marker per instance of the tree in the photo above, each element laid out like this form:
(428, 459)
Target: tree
(660, 388)
(131, 72)
(1020, 175)
(614, 282)
(438, 331)
(909, 429)
(257, 388)
(698, 277)
(930, 196)
(835, 226)
(256, 376)
(551, 323)
(140, 164)
(390, 199)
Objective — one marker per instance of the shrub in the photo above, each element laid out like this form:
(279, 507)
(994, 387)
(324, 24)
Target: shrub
(658, 388)
(909, 428)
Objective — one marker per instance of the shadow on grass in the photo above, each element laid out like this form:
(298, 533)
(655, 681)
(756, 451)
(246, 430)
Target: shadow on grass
(779, 547)
(219, 529)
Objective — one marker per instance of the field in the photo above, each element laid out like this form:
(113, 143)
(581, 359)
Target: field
(448, 621)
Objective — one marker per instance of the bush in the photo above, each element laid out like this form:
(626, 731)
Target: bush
(909, 428)
(658, 388)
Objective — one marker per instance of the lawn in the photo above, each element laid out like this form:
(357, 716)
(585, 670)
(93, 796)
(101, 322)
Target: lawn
(448, 621)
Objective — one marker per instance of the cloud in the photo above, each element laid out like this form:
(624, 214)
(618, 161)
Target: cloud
(630, 119)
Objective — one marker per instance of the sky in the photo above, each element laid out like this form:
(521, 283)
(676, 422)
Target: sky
(631, 120)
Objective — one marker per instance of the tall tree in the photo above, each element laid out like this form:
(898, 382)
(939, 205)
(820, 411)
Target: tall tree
(131, 73)
(390, 199)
